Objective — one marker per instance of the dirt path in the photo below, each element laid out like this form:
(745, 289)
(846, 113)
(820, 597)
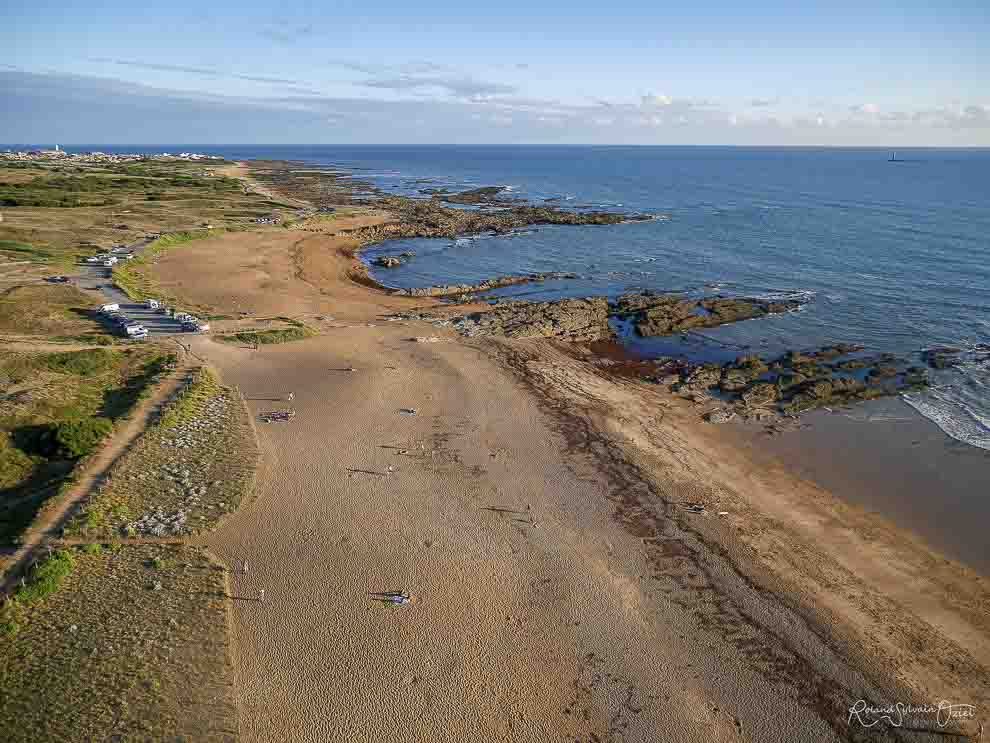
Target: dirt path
(57, 511)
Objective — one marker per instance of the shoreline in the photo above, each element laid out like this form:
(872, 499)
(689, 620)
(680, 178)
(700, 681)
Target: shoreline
(825, 598)
(803, 451)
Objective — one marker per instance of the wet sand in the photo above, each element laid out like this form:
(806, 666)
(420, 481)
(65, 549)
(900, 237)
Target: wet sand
(535, 508)
(886, 457)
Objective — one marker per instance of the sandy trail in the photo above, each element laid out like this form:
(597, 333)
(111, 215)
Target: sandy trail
(532, 509)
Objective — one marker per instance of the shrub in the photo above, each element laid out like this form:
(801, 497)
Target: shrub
(87, 361)
(78, 437)
(46, 576)
(14, 462)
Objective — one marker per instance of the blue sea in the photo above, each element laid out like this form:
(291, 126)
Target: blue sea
(893, 255)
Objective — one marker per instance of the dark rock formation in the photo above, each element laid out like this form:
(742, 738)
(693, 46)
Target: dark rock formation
(737, 375)
(430, 218)
(666, 314)
(583, 320)
(388, 261)
(795, 381)
(454, 290)
(942, 357)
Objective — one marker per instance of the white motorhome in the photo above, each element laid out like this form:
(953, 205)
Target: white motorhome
(152, 304)
(106, 309)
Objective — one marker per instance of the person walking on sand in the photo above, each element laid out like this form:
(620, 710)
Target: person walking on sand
(292, 396)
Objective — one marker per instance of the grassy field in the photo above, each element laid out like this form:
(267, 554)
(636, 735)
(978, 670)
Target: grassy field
(266, 337)
(53, 310)
(187, 471)
(56, 213)
(292, 330)
(116, 643)
(54, 408)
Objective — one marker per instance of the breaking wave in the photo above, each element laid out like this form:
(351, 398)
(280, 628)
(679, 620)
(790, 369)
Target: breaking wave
(961, 405)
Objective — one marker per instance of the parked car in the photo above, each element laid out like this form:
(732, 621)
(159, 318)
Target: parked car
(151, 304)
(58, 279)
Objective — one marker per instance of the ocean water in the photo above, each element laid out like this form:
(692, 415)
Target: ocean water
(893, 255)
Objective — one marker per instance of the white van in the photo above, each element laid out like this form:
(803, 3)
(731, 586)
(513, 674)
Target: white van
(151, 304)
(107, 309)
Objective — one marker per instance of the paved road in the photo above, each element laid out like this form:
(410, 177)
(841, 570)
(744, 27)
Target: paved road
(99, 277)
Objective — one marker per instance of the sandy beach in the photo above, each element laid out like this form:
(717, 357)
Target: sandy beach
(535, 508)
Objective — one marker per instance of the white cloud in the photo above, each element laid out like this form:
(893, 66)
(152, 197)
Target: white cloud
(869, 109)
(651, 99)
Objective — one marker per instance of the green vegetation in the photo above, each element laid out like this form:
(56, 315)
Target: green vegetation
(46, 576)
(296, 331)
(23, 250)
(189, 402)
(78, 437)
(58, 213)
(186, 472)
(14, 463)
(51, 310)
(56, 408)
(87, 361)
(62, 191)
(99, 646)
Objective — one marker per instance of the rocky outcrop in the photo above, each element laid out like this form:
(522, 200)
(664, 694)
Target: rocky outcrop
(795, 381)
(488, 195)
(388, 261)
(582, 320)
(942, 357)
(430, 218)
(666, 314)
(737, 375)
(452, 290)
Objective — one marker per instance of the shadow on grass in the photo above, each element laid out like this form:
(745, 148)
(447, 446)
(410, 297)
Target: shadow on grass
(20, 504)
(118, 401)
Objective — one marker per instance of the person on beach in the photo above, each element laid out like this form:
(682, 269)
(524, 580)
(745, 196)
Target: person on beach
(291, 396)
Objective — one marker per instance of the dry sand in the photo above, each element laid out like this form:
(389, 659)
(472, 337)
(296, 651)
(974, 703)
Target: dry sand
(532, 506)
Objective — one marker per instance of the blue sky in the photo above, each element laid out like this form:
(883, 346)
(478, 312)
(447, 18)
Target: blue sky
(867, 73)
